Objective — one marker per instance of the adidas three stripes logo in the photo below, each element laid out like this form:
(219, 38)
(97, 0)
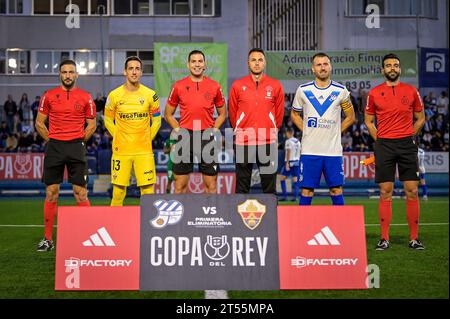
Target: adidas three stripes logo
(324, 238)
(100, 238)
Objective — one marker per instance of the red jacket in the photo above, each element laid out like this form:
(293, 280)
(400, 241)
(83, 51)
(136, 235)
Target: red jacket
(256, 110)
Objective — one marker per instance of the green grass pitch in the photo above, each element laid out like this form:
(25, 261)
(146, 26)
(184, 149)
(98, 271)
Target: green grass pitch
(404, 273)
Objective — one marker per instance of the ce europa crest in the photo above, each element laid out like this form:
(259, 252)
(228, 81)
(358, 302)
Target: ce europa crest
(251, 212)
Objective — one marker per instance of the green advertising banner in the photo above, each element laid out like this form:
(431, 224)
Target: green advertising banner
(171, 58)
(347, 65)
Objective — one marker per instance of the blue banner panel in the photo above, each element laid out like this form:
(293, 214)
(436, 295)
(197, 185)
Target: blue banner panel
(433, 68)
(209, 242)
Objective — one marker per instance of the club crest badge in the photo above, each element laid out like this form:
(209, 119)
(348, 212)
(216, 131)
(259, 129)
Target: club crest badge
(252, 213)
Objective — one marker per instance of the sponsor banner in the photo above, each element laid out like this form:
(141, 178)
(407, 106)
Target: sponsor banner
(354, 69)
(433, 68)
(198, 242)
(436, 162)
(170, 63)
(97, 248)
(322, 247)
(18, 166)
(226, 183)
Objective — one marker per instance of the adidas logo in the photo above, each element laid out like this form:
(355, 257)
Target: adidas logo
(100, 238)
(324, 238)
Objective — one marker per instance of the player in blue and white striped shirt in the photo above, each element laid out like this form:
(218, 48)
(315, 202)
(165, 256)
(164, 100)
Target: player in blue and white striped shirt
(322, 102)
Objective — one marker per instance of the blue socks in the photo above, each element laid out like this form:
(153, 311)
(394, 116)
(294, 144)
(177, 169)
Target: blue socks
(424, 190)
(295, 189)
(283, 188)
(338, 199)
(305, 201)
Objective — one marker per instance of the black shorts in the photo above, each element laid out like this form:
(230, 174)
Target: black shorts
(390, 153)
(59, 154)
(185, 151)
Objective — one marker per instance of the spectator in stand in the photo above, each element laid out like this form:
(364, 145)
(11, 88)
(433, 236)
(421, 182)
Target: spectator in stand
(347, 147)
(4, 132)
(440, 125)
(431, 101)
(100, 102)
(436, 142)
(442, 104)
(10, 108)
(35, 106)
(25, 141)
(347, 139)
(37, 143)
(11, 143)
(25, 110)
(357, 140)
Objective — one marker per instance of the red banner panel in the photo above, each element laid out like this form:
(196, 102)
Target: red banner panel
(353, 169)
(322, 247)
(97, 248)
(17, 166)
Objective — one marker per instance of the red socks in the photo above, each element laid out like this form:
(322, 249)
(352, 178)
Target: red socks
(50, 209)
(385, 217)
(85, 203)
(412, 214)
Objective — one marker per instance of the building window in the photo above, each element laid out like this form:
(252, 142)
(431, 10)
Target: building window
(2, 61)
(120, 56)
(141, 7)
(122, 7)
(58, 57)
(41, 6)
(161, 7)
(402, 8)
(43, 63)
(59, 6)
(89, 62)
(99, 7)
(202, 7)
(11, 6)
(180, 7)
(18, 61)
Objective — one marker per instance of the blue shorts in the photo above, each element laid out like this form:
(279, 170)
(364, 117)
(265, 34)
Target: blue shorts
(294, 171)
(312, 167)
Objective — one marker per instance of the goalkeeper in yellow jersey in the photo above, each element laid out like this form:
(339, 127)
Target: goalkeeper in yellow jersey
(133, 118)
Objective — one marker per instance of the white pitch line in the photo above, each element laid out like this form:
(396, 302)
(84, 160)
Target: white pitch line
(28, 226)
(216, 294)
(420, 224)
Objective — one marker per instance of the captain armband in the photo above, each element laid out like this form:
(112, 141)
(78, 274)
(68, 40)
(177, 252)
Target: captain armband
(346, 105)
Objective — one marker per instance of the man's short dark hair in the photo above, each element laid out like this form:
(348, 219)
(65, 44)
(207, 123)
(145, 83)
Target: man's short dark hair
(67, 62)
(319, 55)
(256, 50)
(389, 56)
(290, 130)
(132, 58)
(195, 52)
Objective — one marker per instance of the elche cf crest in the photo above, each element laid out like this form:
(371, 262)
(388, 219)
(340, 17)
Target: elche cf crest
(251, 212)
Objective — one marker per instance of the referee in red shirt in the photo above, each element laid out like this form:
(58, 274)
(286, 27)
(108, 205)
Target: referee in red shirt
(256, 110)
(71, 117)
(198, 96)
(399, 113)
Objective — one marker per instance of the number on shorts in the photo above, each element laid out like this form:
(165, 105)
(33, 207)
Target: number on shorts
(116, 165)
